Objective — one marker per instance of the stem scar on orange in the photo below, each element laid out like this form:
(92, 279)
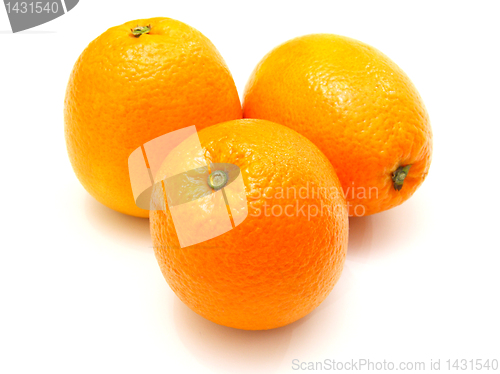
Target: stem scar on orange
(132, 84)
(357, 106)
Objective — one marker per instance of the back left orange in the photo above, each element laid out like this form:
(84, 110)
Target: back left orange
(132, 84)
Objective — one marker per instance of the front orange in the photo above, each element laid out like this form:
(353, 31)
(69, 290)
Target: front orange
(283, 260)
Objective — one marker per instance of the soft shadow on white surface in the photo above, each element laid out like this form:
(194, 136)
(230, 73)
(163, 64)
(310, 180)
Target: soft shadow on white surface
(130, 231)
(232, 350)
(228, 350)
(360, 238)
(385, 233)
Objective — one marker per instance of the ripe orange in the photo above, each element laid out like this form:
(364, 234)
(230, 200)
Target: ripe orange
(127, 89)
(278, 264)
(357, 106)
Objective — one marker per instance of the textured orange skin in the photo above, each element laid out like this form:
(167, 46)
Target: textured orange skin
(268, 271)
(125, 91)
(356, 105)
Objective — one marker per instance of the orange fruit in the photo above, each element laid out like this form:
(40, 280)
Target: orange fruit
(357, 106)
(127, 89)
(279, 263)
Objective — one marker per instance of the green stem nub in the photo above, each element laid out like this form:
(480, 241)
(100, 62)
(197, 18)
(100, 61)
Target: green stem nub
(398, 177)
(139, 30)
(217, 179)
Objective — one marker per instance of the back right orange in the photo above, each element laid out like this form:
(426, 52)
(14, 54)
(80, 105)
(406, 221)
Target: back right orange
(357, 106)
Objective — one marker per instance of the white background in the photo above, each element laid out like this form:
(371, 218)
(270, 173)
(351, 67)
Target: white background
(80, 289)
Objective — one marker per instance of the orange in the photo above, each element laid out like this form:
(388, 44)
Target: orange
(357, 106)
(127, 89)
(278, 264)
